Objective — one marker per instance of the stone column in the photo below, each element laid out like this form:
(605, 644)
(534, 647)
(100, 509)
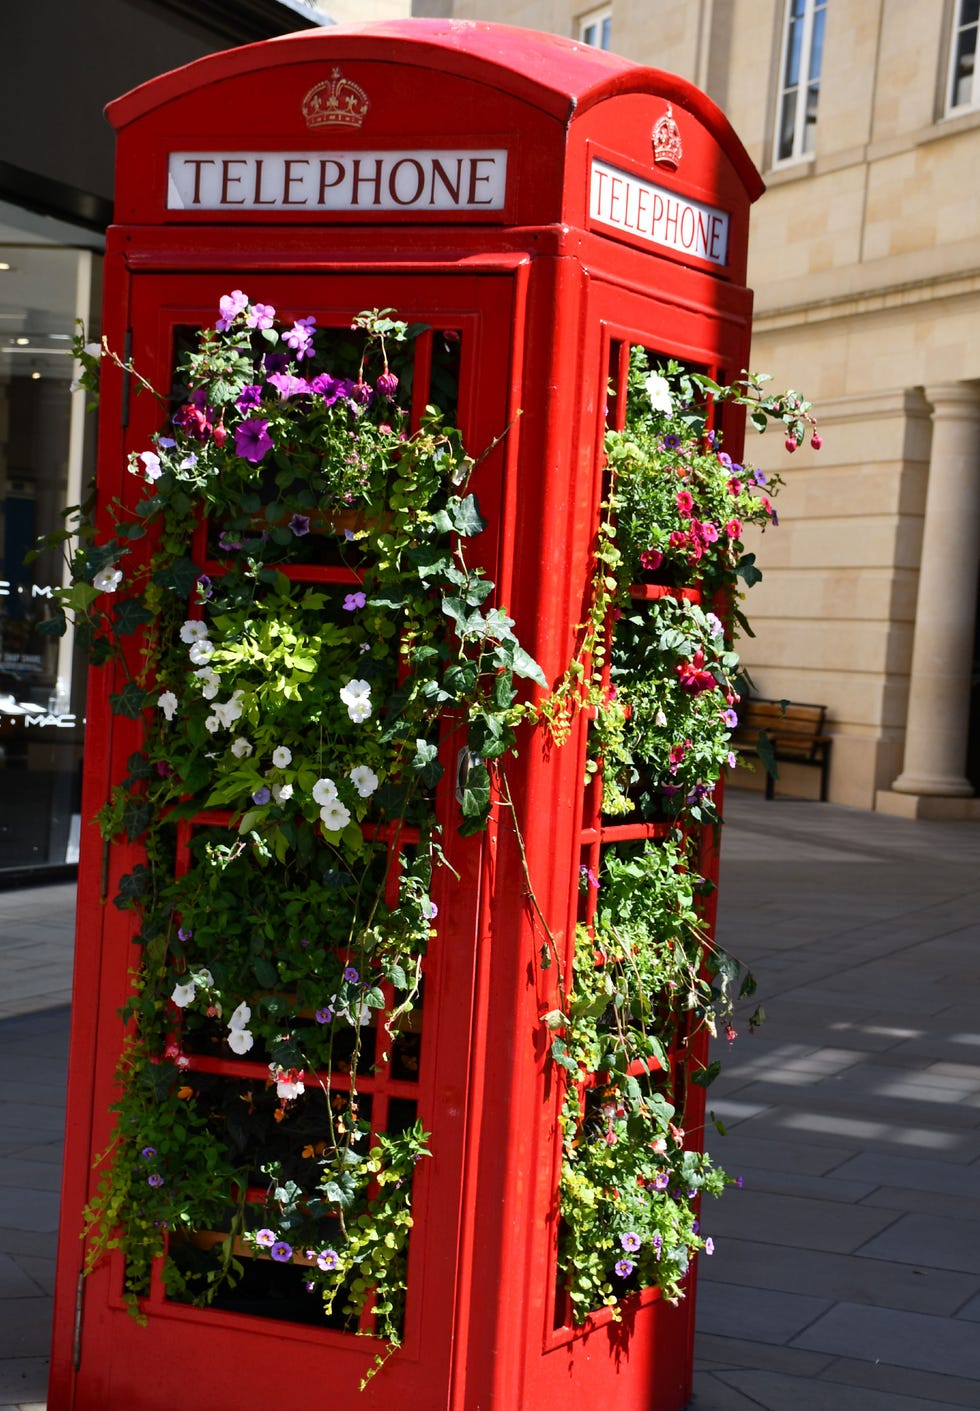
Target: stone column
(942, 651)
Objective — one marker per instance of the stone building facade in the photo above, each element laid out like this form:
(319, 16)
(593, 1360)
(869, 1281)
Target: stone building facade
(864, 119)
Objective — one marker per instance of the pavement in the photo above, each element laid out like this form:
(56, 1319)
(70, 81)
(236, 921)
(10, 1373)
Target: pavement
(846, 1272)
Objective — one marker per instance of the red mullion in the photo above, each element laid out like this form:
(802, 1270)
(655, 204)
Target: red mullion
(421, 375)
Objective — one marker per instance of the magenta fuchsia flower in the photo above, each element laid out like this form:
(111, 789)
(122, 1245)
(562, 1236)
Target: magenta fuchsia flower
(387, 384)
(252, 440)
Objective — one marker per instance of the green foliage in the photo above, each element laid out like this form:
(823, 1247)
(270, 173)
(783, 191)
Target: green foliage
(309, 709)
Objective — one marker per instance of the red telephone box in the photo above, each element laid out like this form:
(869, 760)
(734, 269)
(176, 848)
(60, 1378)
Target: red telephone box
(546, 205)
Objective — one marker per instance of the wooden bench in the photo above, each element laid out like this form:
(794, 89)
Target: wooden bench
(784, 730)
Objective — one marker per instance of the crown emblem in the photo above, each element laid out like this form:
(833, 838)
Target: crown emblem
(667, 148)
(336, 102)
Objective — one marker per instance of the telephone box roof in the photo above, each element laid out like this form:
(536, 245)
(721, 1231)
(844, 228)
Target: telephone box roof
(560, 76)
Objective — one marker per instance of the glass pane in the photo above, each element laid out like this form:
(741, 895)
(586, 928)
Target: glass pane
(794, 46)
(816, 43)
(810, 120)
(787, 123)
(969, 12)
(606, 31)
(962, 85)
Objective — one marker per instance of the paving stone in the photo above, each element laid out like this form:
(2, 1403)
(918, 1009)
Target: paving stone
(796, 1221)
(741, 1147)
(31, 1210)
(907, 1381)
(757, 1315)
(901, 1339)
(791, 1183)
(15, 1282)
(773, 1392)
(917, 1173)
(937, 1240)
(848, 1278)
(24, 1379)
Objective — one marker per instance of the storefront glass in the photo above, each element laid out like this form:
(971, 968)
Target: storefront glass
(45, 461)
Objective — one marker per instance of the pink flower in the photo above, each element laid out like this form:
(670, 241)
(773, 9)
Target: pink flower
(685, 501)
(260, 315)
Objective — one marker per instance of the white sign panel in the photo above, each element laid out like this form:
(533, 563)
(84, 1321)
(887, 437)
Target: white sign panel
(338, 181)
(658, 216)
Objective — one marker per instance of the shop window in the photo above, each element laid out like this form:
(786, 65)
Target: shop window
(962, 91)
(799, 87)
(595, 28)
(44, 444)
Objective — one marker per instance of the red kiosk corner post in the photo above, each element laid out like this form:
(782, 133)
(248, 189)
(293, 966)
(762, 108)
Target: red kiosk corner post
(533, 210)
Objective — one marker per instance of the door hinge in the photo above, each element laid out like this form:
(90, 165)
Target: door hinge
(76, 1349)
(127, 376)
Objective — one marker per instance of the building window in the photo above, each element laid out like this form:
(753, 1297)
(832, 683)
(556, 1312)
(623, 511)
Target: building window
(963, 91)
(595, 28)
(799, 89)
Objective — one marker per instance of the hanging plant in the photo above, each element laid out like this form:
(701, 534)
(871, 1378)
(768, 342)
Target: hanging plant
(283, 797)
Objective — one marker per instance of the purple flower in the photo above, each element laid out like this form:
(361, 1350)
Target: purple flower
(725, 459)
(265, 1238)
(709, 1245)
(183, 935)
(205, 586)
(300, 524)
(287, 384)
(759, 477)
(353, 601)
(276, 362)
(671, 442)
(624, 1268)
(351, 975)
(148, 1153)
(630, 1241)
(252, 440)
(661, 1181)
(260, 316)
(323, 1016)
(362, 393)
(300, 337)
(327, 1259)
(387, 384)
(249, 398)
(154, 1179)
(739, 1182)
(230, 305)
(167, 442)
(281, 1252)
(262, 796)
(730, 719)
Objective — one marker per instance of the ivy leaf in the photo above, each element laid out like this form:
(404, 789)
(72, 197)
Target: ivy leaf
(559, 1052)
(179, 578)
(466, 517)
(426, 763)
(704, 1077)
(475, 794)
(747, 570)
(525, 665)
(766, 751)
(129, 616)
(136, 817)
(54, 626)
(132, 887)
(131, 701)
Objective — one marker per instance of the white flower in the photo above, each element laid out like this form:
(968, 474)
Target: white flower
(168, 704)
(193, 630)
(204, 978)
(152, 468)
(334, 816)
(240, 1018)
(200, 651)
(229, 711)
(107, 580)
(282, 793)
(210, 682)
(365, 780)
(241, 748)
(324, 791)
(240, 1040)
(660, 719)
(212, 724)
(289, 1086)
(356, 696)
(183, 995)
(281, 757)
(715, 624)
(658, 390)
